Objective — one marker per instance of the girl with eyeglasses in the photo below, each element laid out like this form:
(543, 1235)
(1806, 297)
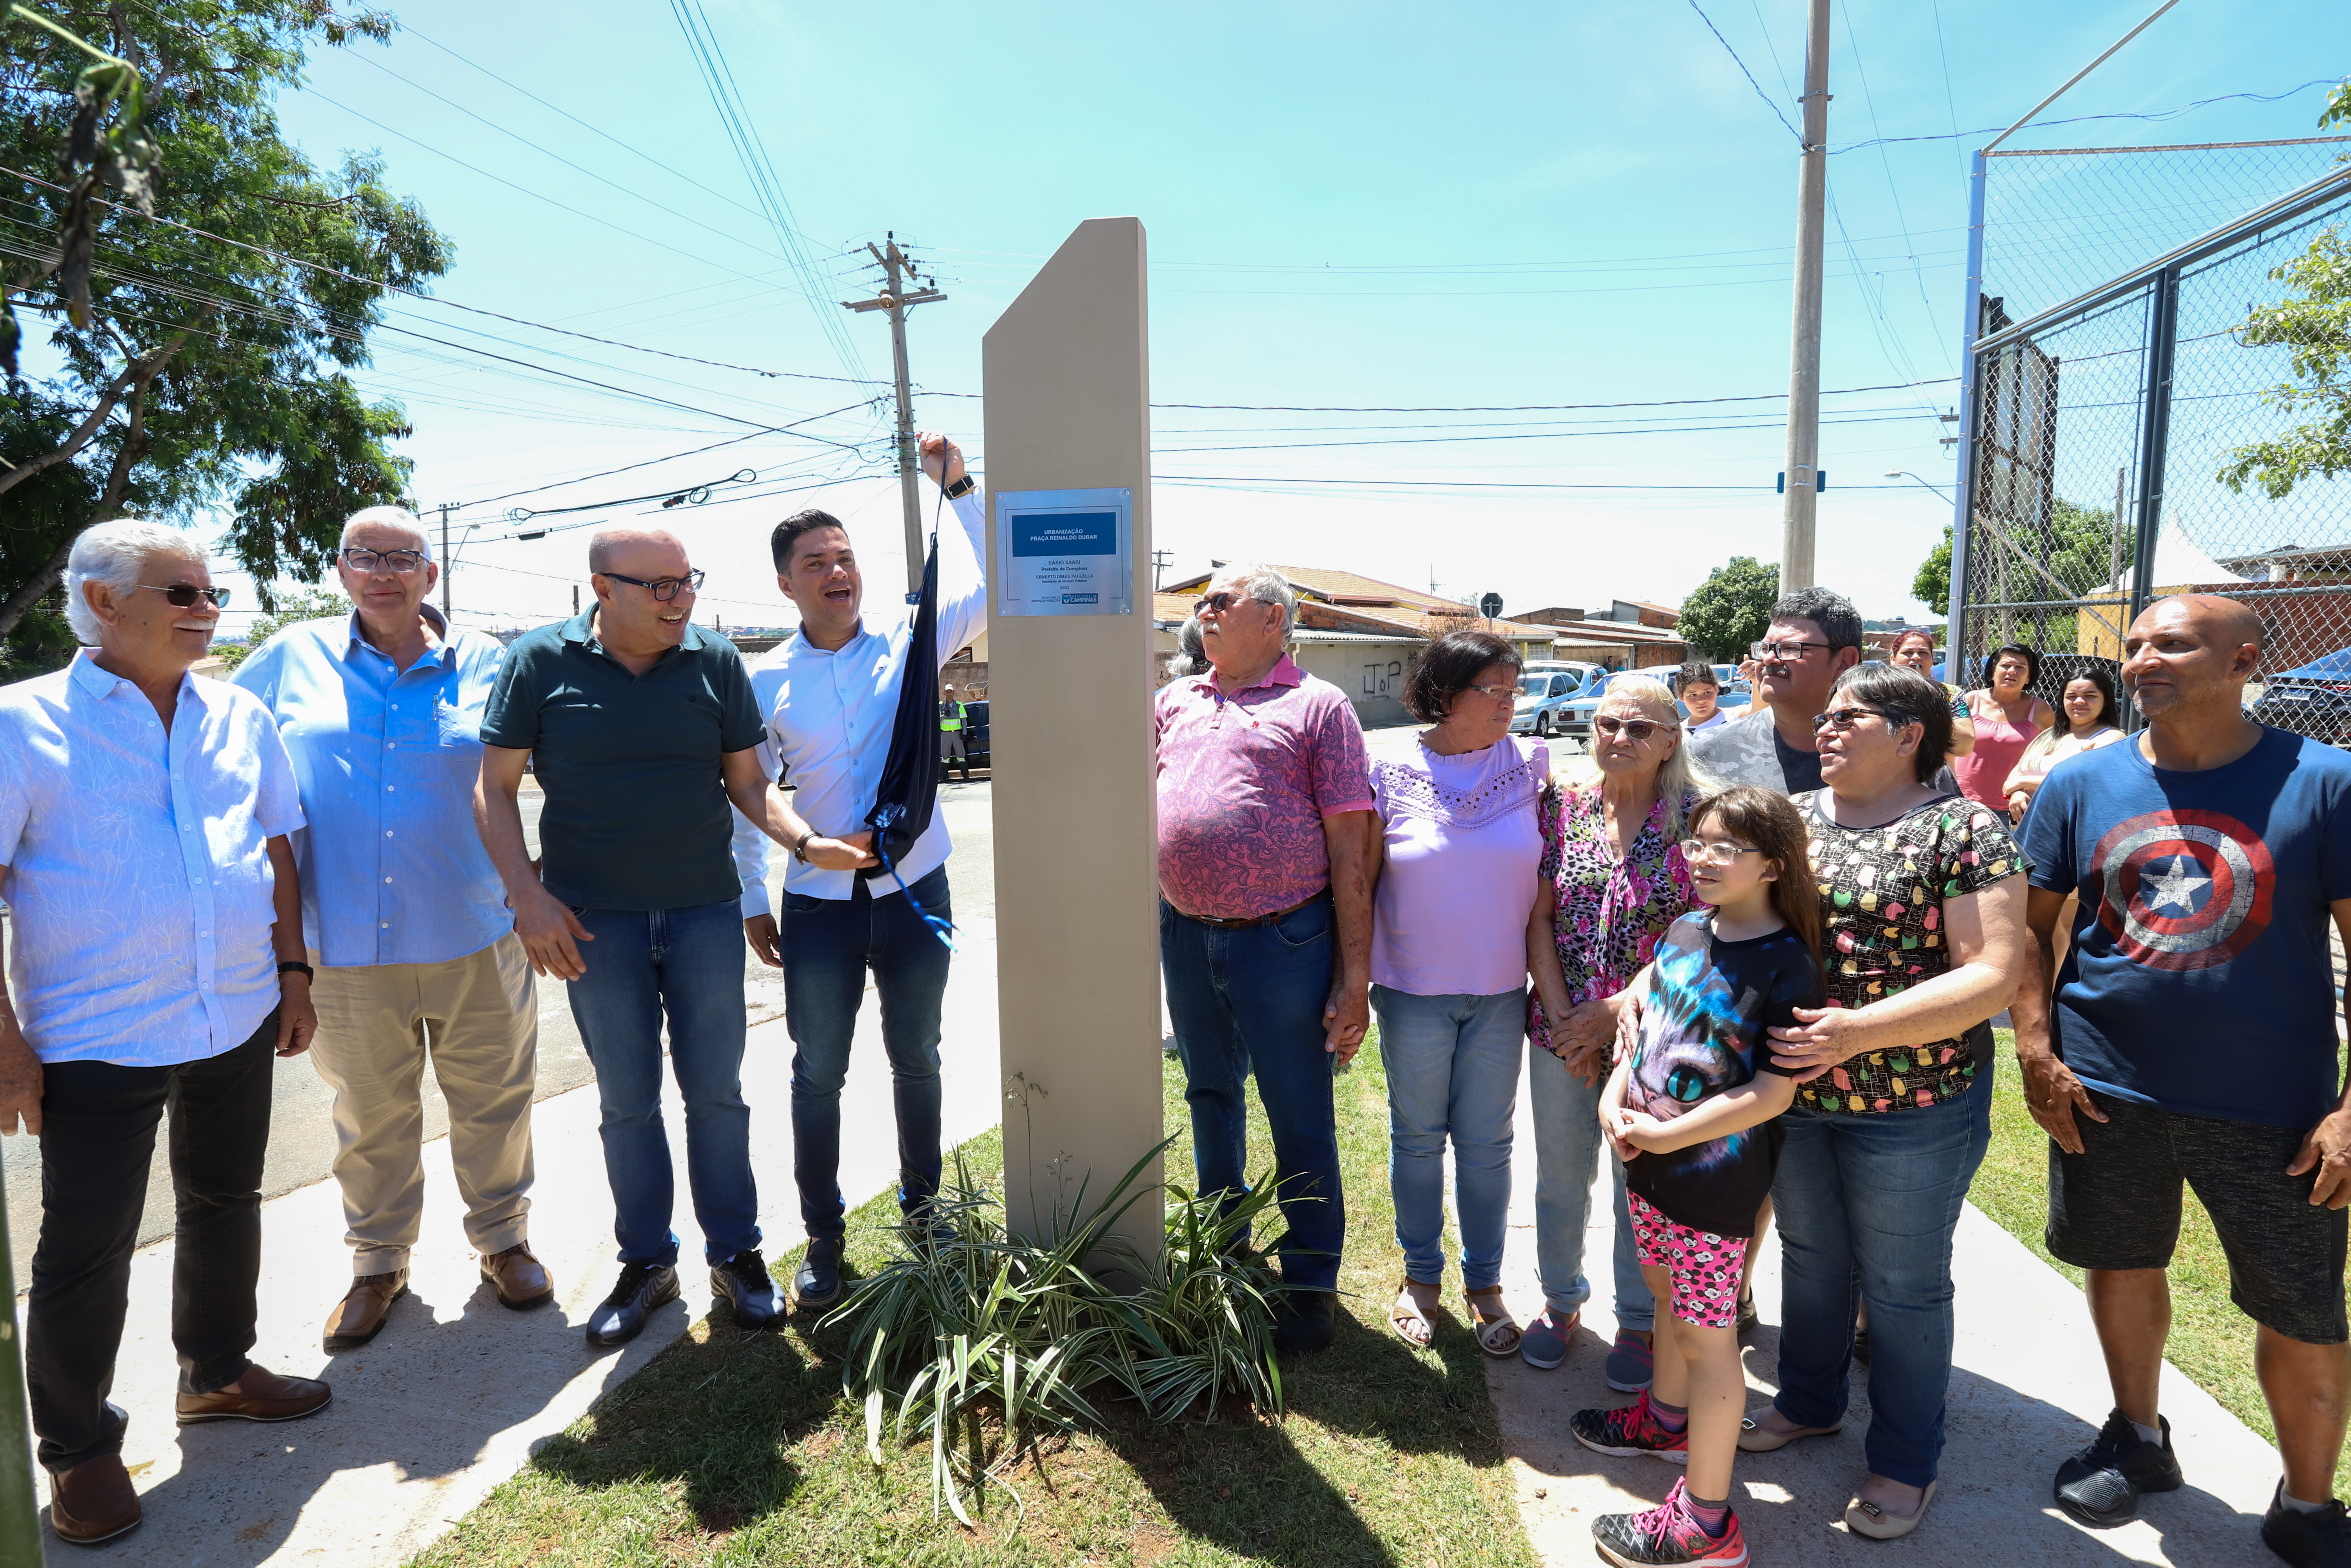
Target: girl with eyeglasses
(1691, 1110)
(1922, 901)
(1612, 880)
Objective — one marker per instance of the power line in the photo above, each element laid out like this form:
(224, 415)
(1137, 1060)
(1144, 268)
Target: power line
(1510, 407)
(1465, 483)
(1769, 101)
(1528, 435)
(2084, 119)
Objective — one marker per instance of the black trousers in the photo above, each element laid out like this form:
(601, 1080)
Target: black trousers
(98, 1140)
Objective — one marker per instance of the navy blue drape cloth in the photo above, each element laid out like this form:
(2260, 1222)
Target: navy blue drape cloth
(910, 774)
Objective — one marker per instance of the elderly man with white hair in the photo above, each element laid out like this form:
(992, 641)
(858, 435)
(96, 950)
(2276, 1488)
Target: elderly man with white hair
(157, 960)
(405, 918)
(642, 731)
(1265, 917)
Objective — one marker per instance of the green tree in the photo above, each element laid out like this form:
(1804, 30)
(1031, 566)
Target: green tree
(1932, 585)
(302, 604)
(2314, 322)
(1727, 612)
(214, 370)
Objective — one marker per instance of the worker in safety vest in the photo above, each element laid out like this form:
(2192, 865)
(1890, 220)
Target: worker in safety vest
(951, 747)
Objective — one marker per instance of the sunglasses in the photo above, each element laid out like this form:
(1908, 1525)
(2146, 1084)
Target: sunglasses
(1220, 603)
(1635, 729)
(183, 595)
(1844, 718)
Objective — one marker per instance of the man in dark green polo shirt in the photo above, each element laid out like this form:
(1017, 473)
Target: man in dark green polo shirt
(642, 731)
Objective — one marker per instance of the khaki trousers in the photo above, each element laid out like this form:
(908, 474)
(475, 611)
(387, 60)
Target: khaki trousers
(477, 1019)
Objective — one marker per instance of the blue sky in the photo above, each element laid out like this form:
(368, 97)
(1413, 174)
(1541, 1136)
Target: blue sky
(1366, 205)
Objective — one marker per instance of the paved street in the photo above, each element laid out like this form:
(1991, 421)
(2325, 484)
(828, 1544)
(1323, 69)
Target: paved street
(302, 1134)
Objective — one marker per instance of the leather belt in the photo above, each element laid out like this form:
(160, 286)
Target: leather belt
(1255, 919)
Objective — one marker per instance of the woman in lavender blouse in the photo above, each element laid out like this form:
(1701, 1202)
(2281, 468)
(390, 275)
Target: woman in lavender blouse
(1454, 872)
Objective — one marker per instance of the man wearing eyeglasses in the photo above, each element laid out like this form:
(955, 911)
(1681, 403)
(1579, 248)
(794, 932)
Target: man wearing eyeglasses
(404, 917)
(1815, 637)
(156, 958)
(641, 729)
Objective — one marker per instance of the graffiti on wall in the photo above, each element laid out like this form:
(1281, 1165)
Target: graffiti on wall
(1381, 680)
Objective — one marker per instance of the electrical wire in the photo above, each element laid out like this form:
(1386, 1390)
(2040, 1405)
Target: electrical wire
(1548, 435)
(2160, 114)
(1768, 101)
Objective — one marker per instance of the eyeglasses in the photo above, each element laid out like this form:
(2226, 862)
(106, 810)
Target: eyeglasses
(183, 595)
(1635, 729)
(664, 588)
(1783, 652)
(1496, 694)
(1844, 718)
(1220, 603)
(1714, 852)
(401, 562)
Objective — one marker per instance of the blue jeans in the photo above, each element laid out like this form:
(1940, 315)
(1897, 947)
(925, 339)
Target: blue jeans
(829, 943)
(685, 965)
(1252, 998)
(1567, 1156)
(1868, 1204)
(1453, 1069)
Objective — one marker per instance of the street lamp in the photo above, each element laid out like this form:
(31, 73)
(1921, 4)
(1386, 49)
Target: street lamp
(1906, 474)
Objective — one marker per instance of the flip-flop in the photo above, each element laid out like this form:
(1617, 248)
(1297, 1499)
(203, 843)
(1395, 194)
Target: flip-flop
(1407, 1313)
(1868, 1519)
(1497, 1332)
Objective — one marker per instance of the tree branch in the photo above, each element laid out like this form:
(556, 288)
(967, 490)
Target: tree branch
(136, 375)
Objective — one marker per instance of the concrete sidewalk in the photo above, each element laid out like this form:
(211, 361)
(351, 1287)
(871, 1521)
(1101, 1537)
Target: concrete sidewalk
(2028, 1387)
(445, 1405)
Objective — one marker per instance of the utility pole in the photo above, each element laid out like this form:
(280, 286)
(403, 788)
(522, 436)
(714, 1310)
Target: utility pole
(444, 562)
(897, 301)
(1161, 560)
(1800, 510)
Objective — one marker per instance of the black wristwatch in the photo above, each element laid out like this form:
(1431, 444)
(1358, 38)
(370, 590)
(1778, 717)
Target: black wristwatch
(296, 965)
(961, 488)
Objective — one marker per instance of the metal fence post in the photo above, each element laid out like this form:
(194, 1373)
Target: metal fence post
(1963, 491)
(2155, 432)
(20, 1519)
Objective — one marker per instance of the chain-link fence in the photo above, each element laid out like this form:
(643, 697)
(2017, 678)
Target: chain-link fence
(2165, 430)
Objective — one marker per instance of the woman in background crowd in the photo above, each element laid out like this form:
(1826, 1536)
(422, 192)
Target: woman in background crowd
(2088, 720)
(2006, 716)
(1915, 650)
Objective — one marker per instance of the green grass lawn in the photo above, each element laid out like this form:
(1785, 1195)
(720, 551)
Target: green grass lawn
(737, 1448)
(2212, 1340)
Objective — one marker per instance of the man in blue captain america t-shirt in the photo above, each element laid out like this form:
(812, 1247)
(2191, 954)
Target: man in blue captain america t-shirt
(2192, 1038)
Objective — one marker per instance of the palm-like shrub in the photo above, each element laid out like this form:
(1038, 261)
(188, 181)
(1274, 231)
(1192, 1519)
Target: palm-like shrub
(973, 1321)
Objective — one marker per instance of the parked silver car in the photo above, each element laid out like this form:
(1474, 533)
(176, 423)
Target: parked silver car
(1544, 692)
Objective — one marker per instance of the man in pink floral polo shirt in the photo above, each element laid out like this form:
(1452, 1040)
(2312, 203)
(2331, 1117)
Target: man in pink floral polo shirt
(1265, 917)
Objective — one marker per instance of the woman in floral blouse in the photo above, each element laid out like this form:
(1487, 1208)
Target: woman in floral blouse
(1922, 899)
(1613, 879)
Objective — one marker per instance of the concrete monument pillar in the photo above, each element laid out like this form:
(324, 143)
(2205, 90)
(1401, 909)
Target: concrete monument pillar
(1066, 374)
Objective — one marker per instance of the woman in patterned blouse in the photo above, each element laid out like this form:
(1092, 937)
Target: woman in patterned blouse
(1922, 899)
(1613, 879)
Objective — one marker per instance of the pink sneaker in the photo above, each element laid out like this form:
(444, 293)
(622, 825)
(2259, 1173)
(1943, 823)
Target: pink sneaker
(1633, 1429)
(1667, 1534)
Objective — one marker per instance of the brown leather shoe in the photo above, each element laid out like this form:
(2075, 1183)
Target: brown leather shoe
(260, 1395)
(521, 1278)
(93, 1501)
(359, 1316)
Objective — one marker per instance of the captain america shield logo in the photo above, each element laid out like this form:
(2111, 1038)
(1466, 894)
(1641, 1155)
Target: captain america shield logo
(2184, 890)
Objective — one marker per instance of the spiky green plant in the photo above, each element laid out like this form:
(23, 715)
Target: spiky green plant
(972, 1322)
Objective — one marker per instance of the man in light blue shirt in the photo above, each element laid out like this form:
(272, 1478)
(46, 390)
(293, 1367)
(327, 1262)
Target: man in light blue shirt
(405, 917)
(157, 958)
(833, 697)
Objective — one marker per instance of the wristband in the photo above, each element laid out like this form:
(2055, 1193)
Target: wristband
(962, 487)
(800, 850)
(295, 966)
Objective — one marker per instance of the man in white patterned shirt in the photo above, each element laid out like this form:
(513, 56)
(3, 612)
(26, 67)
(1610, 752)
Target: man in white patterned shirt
(157, 959)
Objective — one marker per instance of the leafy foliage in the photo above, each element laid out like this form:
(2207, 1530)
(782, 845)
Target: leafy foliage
(213, 370)
(1932, 585)
(2315, 322)
(302, 604)
(974, 1323)
(1725, 614)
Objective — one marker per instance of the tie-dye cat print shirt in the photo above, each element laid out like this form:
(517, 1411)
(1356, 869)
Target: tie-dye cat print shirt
(1702, 1020)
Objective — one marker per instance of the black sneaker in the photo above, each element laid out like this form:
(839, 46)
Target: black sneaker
(817, 1283)
(2321, 1539)
(642, 1289)
(2100, 1485)
(1302, 1321)
(743, 1283)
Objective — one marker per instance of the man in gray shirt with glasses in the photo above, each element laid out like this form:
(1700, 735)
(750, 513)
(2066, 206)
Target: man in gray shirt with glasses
(1814, 637)
(641, 729)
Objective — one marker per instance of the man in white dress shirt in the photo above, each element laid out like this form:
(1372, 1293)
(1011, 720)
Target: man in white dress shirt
(157, 959)
(833, 693)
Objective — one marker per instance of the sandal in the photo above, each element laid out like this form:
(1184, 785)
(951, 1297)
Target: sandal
(1411, 1315)
(1868, 1519)
(1754, 1437)
(1498, 1332)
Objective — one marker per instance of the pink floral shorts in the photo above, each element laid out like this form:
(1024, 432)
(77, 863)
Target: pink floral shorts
(1705, 1268)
